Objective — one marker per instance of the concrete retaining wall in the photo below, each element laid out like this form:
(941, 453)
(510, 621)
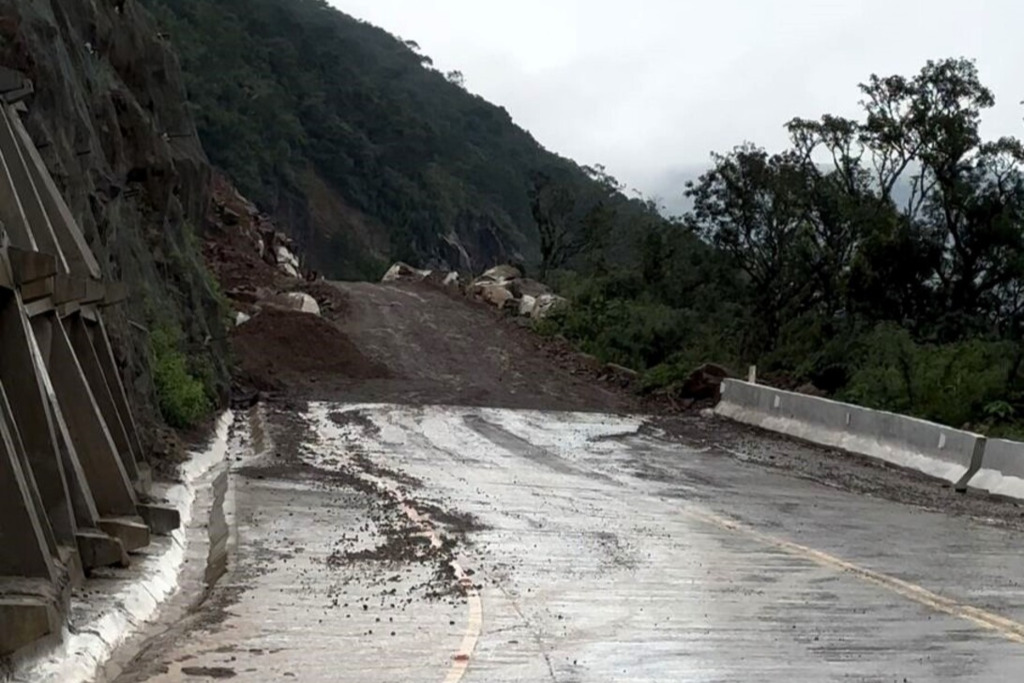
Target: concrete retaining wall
(73, 497)
(936, 450)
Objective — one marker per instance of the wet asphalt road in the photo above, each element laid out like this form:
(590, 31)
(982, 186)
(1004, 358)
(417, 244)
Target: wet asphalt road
(597, 549)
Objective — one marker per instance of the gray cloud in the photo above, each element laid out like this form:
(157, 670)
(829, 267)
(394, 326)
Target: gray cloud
(650, 87)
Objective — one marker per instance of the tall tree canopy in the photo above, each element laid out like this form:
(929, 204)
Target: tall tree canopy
(880, 257)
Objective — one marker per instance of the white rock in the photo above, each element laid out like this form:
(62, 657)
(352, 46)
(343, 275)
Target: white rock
(527, 305)
(285, 256)
(451, 279)
(500, 274)
(495, 294)
(302, 302)
(241, 318)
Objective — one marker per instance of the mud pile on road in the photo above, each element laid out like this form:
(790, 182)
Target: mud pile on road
(418, 341)
(281, 350)
(697, 392)
(512, 304)
(274, 349)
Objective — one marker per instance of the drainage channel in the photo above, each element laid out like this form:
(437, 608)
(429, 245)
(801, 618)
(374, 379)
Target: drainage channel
(210, 544)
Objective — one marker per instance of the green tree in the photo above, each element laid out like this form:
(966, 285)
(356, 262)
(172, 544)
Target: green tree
(553, 206)
(752, 206)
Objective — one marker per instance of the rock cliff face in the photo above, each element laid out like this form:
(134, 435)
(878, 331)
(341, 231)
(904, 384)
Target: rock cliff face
(110, 119)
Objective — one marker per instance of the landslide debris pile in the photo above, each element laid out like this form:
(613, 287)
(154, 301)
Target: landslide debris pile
(503, 287)
(280, 349)
(520, 302)
(284, 337)
(244, 247)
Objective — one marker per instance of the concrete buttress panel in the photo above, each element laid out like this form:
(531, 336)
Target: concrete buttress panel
(104, 470)
(32, 416)
(11, 213)
(101, 342)
(77, 254)
(102, 391)
(21, 531)
(86, 514)
(31, 204)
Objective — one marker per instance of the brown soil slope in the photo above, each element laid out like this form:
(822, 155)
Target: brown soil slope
(411, 344)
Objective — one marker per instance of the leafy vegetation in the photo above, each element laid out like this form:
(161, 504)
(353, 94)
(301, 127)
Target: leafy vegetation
(957, 383)
(183, 398)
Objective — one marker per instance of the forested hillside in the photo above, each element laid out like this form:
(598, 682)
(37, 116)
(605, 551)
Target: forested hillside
(878, 259)
(349, 135)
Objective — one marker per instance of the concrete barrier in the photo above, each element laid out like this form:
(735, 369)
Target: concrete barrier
(936, 450)
(1002, 469)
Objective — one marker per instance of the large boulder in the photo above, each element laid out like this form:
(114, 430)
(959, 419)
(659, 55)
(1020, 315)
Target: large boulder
(294, 301)
(500, 274)
(528, 287)
(704, 383)
(287, 262)
(303, 302)
(504, 284)
(403, 272)
(620, 375)
(495, 294)
(276, 249)
(527, 305)
(548, 304)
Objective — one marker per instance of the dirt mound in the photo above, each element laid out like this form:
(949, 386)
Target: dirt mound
(280, 349)
(333, 303)
(237, 266)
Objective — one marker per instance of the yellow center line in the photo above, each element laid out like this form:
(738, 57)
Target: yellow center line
(1007, 628)
(475, 618)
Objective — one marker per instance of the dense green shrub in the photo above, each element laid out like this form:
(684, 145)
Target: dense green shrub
(957, 384)
(181, 395)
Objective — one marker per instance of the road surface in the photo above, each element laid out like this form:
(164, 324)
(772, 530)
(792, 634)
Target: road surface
(481, 516)
(599, 549)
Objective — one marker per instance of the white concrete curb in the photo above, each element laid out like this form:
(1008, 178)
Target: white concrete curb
(89, 642)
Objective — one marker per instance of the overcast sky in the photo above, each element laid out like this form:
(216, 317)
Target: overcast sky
(650, 87)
